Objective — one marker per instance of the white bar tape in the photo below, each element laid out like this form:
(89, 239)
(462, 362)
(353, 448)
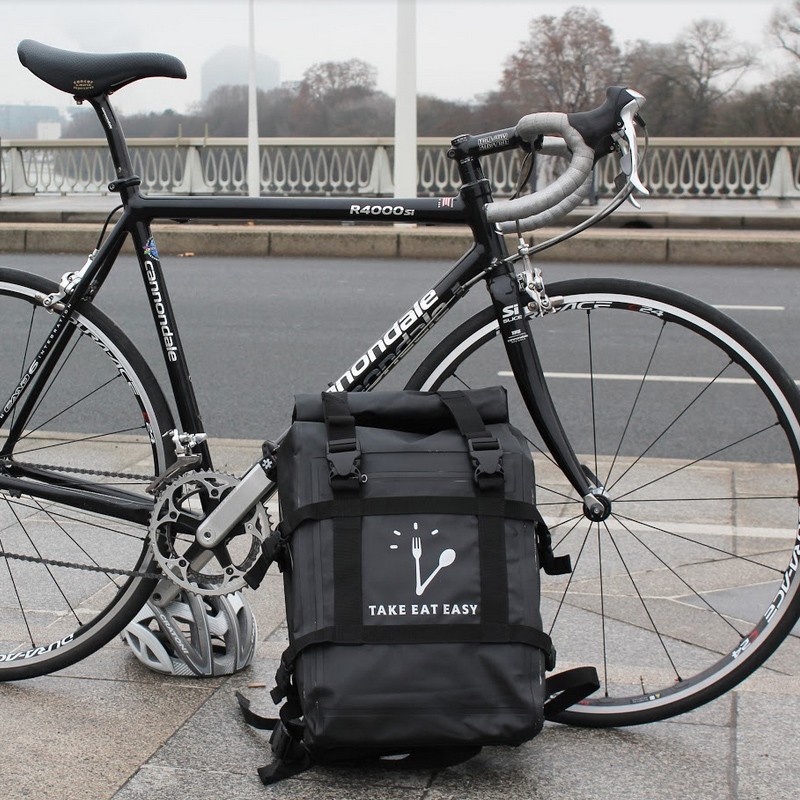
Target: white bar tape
(561, 196)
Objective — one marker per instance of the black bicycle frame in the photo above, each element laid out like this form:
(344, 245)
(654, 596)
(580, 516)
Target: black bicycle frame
(487, 259)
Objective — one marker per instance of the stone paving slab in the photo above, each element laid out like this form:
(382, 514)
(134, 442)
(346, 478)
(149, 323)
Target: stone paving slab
(108, 728)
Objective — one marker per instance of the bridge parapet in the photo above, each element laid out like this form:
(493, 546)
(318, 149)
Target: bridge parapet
(675, 168)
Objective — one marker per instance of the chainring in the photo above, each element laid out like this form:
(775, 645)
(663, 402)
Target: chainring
(179, 510)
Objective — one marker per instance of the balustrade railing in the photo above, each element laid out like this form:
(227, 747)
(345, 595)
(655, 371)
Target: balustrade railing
(675, 168)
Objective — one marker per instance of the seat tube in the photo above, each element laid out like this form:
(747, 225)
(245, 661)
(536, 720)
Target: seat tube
(168, 337)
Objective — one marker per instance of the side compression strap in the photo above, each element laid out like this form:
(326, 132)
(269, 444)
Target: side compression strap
(355, 506)
(424, 634)
(482, 633)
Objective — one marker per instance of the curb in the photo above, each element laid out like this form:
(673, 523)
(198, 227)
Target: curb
(620, 245)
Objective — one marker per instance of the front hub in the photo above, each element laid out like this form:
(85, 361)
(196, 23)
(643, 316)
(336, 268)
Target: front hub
(597, 507)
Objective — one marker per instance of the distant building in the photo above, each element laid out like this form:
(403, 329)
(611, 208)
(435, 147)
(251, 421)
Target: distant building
(230, 67)
(30, 122)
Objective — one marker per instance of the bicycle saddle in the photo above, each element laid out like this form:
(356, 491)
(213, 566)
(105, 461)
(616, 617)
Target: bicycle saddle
(91, 74)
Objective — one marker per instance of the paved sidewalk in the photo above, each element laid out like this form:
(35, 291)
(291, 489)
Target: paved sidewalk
(108, 728)
(730, 232)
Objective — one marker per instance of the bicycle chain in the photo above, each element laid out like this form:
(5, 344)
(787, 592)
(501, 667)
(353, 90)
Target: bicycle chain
(88, 567)
(70, 564)
(50, 562)
(83, 471)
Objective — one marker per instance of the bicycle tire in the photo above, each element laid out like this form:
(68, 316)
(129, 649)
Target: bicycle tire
(691, 583)
(100, 418)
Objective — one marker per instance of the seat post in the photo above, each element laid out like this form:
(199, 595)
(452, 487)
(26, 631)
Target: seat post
(117, 145)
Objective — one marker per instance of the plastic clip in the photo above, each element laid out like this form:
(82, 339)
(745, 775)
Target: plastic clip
(487, 455)
(344, 458)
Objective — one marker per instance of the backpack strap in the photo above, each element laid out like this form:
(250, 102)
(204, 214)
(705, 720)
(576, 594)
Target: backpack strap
(292, 757)
(567, 688)
(484, 449)
(343, 452)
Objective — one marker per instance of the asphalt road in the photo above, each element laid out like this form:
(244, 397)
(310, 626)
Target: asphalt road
(258, 331)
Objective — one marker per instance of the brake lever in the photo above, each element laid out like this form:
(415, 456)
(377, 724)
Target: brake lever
(629, 162)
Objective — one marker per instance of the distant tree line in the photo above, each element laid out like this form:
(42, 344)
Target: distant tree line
(694, 87)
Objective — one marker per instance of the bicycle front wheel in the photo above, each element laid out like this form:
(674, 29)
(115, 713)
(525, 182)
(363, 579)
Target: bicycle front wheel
(71, 578)
(692, 428)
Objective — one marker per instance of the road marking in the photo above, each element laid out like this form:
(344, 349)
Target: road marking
(609, 376)
(751, 308)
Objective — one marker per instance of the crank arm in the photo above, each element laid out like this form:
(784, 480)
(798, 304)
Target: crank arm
(253, 487)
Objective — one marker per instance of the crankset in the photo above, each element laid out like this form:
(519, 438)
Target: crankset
(179, 510)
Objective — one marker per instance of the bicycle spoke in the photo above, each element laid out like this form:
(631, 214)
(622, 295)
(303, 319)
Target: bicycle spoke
(72, 442)
(86, 517)
(20, 604)
(674, 572)
(55, 582)
(706, 545)
(670, 425)
(52, 380)
(602, 607)
(568, 497)
(644, 605)
(569, 580)
(635, 403)
(698, 460)
(69, 407)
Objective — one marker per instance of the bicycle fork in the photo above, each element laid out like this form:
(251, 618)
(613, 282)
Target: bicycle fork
(510, 301)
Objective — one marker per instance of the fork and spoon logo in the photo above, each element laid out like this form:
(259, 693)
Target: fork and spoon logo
(446, 558)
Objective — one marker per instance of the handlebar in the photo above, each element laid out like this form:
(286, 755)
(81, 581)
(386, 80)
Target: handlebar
(587, 135)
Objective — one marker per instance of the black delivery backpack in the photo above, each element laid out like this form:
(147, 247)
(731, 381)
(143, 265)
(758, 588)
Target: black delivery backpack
(410, 554)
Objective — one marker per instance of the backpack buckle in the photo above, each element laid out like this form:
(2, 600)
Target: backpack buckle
(487, 456)
(344, 458)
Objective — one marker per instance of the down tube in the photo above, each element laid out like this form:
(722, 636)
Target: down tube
(374, 365)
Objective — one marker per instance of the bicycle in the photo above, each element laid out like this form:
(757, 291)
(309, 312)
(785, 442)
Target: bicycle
(676, 593)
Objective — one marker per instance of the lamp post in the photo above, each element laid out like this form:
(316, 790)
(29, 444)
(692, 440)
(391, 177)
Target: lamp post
(405, 109)
(253, 165)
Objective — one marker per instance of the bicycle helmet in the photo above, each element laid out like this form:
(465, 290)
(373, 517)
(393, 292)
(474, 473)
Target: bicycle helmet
(194, 635)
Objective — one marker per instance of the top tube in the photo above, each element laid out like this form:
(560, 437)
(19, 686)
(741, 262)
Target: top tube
(426, 210)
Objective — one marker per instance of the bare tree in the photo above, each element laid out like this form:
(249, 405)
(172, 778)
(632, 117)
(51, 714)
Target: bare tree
(713, 62)
(353, 77)
(566, 64)
(784, 28)
(688, 81)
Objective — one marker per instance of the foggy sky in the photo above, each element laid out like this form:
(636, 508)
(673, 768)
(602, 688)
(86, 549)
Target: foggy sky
(462, 44)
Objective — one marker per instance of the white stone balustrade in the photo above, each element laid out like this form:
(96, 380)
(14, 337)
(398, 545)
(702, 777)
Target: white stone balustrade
(675, 168)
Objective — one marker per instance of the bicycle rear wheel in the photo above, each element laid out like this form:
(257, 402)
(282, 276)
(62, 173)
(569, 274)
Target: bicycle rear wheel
(692, 427)
(71, 579)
